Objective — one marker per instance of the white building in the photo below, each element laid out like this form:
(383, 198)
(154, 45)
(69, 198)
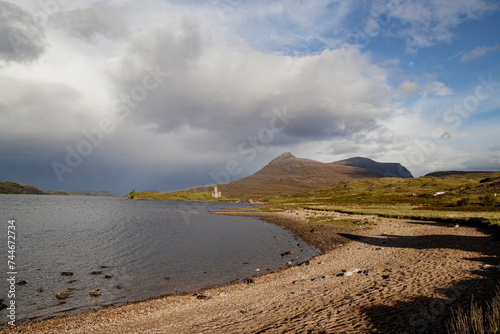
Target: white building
(216, 193)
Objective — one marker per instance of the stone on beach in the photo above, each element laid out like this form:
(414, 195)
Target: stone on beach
(248, 281)
(491, 267)
(300, 281)
(320, 278)
(203, 297)
(351, 271)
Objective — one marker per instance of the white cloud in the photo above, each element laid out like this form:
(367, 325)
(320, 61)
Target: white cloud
(407, 87)
(221, 87)
(478, 52)
(425, 23)
(436, 88)
(90, 23)
(291, 27)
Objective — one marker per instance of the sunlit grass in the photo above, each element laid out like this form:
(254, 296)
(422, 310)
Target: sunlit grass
(177, 196)
(404, 198)
(408, 212)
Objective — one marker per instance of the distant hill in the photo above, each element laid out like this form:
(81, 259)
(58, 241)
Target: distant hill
(289, 175)
(489, 182)
(388, 169)
(7, 187)
(452, 173)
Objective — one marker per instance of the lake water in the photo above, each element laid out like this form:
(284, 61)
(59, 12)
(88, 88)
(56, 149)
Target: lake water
(138, 243)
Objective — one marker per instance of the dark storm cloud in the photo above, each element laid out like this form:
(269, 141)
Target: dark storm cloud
(184, 100)
(192, 87)
(21, 38)
(35, 111)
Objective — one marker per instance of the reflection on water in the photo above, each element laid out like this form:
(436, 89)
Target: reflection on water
(135, 250)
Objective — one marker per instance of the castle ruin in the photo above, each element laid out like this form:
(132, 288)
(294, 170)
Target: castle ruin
(216, 193)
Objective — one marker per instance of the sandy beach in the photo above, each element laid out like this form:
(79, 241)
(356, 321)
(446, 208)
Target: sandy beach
(378, 276)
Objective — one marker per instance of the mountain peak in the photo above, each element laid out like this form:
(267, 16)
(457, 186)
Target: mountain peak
(283, 158)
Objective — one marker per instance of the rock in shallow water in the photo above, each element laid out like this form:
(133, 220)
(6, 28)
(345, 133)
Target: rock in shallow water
(62, 295)
(95, 293)
(303, 264)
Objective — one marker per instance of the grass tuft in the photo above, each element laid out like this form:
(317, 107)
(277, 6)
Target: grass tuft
(475, 321)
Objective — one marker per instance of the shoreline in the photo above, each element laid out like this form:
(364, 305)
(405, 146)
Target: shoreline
(417, 271)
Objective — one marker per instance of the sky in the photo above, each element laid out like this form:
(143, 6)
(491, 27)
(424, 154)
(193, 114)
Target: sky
(107, 95)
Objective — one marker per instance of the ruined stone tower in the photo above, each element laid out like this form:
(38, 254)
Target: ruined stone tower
(216, 193)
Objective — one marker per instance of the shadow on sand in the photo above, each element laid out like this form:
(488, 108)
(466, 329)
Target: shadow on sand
(431, 315)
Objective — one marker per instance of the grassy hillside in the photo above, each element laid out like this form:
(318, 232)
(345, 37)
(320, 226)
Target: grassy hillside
(467, 197)
(177, 196)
